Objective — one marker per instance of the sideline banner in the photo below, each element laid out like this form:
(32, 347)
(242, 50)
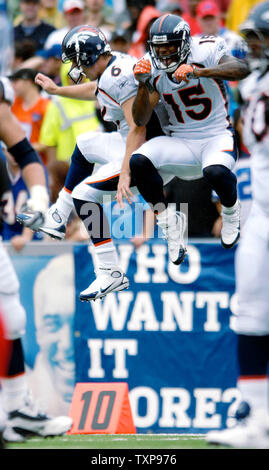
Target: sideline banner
(169, 336)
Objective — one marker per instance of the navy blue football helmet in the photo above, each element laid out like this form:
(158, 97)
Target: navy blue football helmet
(256, 26)
(169, 29)
(83, 45)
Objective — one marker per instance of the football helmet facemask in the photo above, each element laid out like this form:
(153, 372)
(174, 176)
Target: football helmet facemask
(82, 46)
(169, 30)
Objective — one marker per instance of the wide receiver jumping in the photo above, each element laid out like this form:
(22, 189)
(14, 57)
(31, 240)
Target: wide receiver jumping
(187, 75)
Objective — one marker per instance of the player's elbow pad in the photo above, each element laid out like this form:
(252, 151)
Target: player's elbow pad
(24, 154)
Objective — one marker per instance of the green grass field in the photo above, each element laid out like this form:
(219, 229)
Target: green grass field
(117, 441)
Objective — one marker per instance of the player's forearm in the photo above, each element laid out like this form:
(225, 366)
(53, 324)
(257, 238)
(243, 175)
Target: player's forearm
(136, 137)
(142, 109)
(84, 91)
(33, 174)
(230, 70)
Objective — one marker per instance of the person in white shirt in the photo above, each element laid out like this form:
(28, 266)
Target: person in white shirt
(251, 428)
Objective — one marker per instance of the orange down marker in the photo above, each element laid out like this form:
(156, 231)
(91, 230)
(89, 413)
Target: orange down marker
(101, 408)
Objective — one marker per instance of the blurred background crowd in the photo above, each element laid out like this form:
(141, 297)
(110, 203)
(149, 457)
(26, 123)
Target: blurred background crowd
(31, 35)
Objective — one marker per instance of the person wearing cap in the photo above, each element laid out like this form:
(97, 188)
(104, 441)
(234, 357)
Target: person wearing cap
(74, 15)
(52, 63)
(31, 26)
(210, 20)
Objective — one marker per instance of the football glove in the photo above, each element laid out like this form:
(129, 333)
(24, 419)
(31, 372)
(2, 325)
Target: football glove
(32, 213)
(142, 70)
(184, 72)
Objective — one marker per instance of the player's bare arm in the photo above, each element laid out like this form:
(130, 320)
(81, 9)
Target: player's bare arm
(135, 138)
(145, 100)
(83, 91)
(12, 133)
(144, 104)
(228, 68)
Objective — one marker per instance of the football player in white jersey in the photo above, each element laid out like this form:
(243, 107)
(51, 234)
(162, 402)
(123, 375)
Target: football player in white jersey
(187, 75)
(21, 415)
(114, 86)
(251, 264)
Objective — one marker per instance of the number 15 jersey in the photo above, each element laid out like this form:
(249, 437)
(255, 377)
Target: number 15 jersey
(198, 108)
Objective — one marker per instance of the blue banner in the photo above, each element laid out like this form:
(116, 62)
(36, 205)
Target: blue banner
(169, 336)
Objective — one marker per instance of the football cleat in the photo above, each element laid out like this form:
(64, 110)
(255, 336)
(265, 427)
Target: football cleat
(107, 280)
(230, 232)
(251, 431)
(28, 421)
(54, 225)
(173, 224)
(30, 219)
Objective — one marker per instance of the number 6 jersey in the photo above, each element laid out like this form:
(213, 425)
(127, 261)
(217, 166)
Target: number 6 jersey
(197, 108)
(115, 86)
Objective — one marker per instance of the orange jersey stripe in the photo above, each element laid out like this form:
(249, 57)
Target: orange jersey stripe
(105, 179)
(67, 190)
(252, 377)
(103, 242)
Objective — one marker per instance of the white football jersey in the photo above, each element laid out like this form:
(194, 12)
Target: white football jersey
(256, 137)
(247, 86)
(198, 108)
(115, 86)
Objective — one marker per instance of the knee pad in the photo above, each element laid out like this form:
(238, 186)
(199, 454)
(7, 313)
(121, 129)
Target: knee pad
(216, 172)
(14, 315)
(223, 181)
(139, 163)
